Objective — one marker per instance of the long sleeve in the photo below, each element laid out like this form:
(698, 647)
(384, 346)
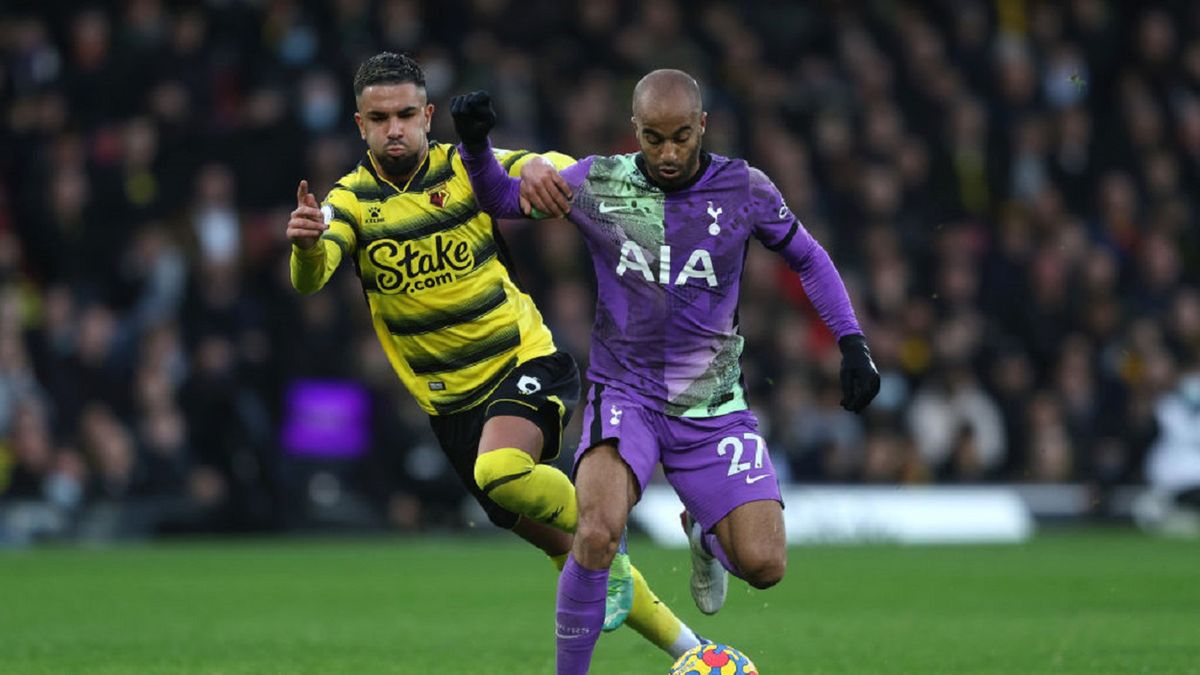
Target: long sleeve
(779, 230)
(495, 191)
(312, 268)
(825, 288)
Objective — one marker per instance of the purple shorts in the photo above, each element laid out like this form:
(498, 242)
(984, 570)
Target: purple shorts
(715, 464)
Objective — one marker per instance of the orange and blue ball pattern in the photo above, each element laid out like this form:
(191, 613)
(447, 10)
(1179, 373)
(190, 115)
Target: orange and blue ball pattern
(713, 659)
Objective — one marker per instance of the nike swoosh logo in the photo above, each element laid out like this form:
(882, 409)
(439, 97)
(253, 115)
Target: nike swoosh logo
(569, 636)
(751, 480)
(609, 208)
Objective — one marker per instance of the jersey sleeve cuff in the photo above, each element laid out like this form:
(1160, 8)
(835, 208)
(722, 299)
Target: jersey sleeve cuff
(311, 253)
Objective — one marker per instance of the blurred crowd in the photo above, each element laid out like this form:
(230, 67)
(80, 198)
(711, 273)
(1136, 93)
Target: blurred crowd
(1009, 189)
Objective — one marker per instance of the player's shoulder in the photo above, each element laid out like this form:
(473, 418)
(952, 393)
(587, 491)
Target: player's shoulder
(729, 167)
(442, 153)
(356, 184)
(442, 165)
(756, 178)
(734, 174)
(738, 176)
(446, 157)
(763, 196)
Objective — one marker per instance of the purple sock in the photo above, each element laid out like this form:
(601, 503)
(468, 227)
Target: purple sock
(713, 545)
(580, 615)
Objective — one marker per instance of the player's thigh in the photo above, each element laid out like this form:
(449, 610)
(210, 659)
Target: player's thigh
(531, 407)
(613, 419)
(606, 490)
(458, 436)
(512, 431)
(605, 487)
(718, 464)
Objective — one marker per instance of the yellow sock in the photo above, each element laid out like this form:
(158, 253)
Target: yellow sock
(536, 491)
(656, 622)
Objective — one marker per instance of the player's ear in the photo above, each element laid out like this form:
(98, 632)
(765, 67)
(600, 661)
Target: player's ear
(358, 121)
(703, 122)
(428, 116)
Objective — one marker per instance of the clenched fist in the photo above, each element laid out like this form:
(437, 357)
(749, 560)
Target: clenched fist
(473, 116)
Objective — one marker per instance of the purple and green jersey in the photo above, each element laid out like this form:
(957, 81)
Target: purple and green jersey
(668, 270)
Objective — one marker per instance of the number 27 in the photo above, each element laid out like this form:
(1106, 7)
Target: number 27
(736, 465)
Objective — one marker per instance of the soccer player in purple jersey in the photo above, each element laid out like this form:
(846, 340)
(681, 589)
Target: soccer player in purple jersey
(467, 343)
(667, 229)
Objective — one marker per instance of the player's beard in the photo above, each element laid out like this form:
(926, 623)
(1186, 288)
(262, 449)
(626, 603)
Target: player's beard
(398, 167)
(687, 171)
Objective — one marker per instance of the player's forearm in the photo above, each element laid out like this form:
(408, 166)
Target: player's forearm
(826, 290)
(312, 267)
(495, 192)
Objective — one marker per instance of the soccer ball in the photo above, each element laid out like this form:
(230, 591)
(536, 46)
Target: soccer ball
(713, 659)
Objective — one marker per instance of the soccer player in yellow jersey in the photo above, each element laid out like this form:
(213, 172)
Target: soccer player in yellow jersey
(465, 340)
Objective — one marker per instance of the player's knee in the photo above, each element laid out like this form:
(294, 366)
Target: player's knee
(500, 517)
(763, 568)
(597, 542)
(501, 467)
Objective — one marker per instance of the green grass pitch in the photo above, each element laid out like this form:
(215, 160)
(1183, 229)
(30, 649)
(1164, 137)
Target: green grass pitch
(1094, 602)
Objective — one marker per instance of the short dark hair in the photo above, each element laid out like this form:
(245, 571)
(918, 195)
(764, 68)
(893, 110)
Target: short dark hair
(388, 68)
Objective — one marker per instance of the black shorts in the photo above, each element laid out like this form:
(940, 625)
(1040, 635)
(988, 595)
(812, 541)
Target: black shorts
(544, 391)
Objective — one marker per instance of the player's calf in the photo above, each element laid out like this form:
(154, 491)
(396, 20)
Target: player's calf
(753, 537)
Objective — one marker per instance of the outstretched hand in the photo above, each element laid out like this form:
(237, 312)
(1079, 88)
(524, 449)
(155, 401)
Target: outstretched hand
(307, 222)
(544, 189)
(473, 116)
(860, 378)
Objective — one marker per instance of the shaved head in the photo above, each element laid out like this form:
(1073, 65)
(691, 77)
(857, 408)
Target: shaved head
(667, 87)
(669, 120)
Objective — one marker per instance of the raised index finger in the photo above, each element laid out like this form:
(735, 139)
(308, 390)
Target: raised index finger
(302, 192)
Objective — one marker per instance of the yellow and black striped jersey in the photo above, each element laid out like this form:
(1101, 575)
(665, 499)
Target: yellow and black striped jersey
(433, 267)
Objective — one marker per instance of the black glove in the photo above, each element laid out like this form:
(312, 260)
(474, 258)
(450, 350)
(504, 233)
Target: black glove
(860, 378)
(473, 116)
